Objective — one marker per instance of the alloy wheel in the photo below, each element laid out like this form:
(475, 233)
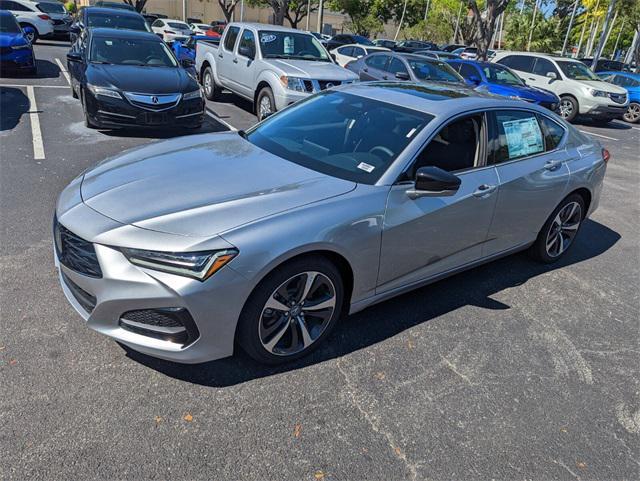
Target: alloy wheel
(265, 106)
(563, 229)
(565, 108)
(633, 113)
(208, 83)
(297, 313)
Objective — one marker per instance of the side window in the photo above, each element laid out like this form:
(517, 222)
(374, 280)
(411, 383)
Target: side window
(346, 51)
(157, 23)
(230, 38)
(467, 71)
(455, 147)
(543, 67)
(358, 52)
(248, 40)
(396, 66)
(523, 63)
(515, 134)
(552, 132)
(16, 7)
(377, 61)
(455, 66)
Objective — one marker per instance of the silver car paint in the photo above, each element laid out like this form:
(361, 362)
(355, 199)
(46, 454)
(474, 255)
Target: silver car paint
(372, 227)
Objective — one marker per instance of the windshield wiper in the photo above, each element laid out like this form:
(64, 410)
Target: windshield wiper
(101, 62)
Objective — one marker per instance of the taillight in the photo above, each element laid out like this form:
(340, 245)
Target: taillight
(170, 31)
(44, 17)
(605, 155)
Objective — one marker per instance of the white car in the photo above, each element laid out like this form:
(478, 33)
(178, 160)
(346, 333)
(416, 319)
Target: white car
(199, 28)
(171, 30)
(581, 92)
(346, 53)
(33, 21)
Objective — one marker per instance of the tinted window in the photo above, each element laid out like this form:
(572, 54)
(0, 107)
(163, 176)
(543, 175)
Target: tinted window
(468, 71)
(346, 51)
(157, 23)
(626, 82)
(515, 134)
(396, 66)
(293, 45)
(114, 20)
(8, 24)
(248, 40)
(552, 132)
(518, 62)
(433, 70)
(178, 25)
(377, 61)
(16, 7)
(543, 67)
(358, 52)
(230, 38)
(51, 7)
(499, 74)
(362, 40)
(148, 53)
(339, 134)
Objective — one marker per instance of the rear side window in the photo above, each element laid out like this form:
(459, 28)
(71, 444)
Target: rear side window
(230, 38)
(346, 51)
(552, 132)
(468, 71)
(396, 66)
(543, 67)
(358, 52)
(523, 63)
(515, 134)
(377, 61)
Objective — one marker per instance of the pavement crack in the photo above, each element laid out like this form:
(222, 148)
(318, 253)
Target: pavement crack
(454, 369)
(561, 464)
(375, 424)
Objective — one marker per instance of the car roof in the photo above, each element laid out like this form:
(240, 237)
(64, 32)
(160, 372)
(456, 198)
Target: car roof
(122, 33)
(504, 53)
(113, 11)
(265, 26)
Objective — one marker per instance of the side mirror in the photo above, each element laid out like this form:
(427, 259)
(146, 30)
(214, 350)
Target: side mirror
(403, 76)
(246, 52)
(187, 62)
(75, 28)
(74, 57)
(434, 182)
(552, 75)
(474, 79)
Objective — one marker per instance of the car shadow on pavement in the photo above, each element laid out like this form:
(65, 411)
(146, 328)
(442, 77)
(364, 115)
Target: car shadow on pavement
(613, 125)
(208, 126)
(13, 103)
(387, 319)
(226, 97)
(46, 69)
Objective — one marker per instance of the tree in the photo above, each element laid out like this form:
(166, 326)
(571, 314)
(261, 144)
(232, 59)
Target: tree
(228, 7)
(365, 16)
(137, 4)
(297, 10)
(485, 22)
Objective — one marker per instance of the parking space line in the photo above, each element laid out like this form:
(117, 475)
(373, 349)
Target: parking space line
(598, 135)
(63, 70)
(218, 119)
(36, 133)
(24, 86)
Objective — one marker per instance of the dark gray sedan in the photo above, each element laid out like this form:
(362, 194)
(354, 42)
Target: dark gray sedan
(399, 66)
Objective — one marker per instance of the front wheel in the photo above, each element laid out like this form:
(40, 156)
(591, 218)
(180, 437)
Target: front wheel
(211, 90)
(568, 108)
(632, 115)
(266, 104)
(30, 33)
(292, 311)
(559, 231)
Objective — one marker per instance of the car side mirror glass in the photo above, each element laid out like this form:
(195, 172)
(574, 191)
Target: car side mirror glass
(75, 28)
(187, 62)
(246, 52)
(434, 182)
(74, 57)
(403, 76)
(552, 75)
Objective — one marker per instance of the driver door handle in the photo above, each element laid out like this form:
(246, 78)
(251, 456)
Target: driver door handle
(220, 55)
(235, 60)
(484, 190)
(552, 165)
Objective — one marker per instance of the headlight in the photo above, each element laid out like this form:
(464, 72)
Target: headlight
(293, 83)
(197, 265)
(20, 47)
(598, 93)
(104, 92)
(196, 94)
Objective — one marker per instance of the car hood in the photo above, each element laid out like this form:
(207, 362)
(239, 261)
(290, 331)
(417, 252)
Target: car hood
(202, 185)
(606, 86)
(132, 78)
(524, 92)
(12, 40)
(312, 70)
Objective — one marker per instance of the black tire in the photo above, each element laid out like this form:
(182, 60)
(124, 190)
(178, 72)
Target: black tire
(571, 105)
(211, 90)
(249, 323)
(88, 123)
(263, 96)
(74, 94)
(632, 115)
(539, 250)
(34, 37)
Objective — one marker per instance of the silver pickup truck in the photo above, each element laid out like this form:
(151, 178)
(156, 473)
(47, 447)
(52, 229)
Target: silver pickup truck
(269, 65)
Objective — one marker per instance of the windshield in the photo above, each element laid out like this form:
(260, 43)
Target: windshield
(275, 44)
(576, 70)
(339, 134)
(51, 8)
(501, 75)
(114, 20)
(8, 24)
(147, 53)
(434, 70)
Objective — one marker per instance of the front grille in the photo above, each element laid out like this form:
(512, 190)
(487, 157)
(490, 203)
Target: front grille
(74, 252)
(317, 85)
(86, 300)
(325, 84)
(618, 98)
(173, 324)
(152, 318)
(153, 102)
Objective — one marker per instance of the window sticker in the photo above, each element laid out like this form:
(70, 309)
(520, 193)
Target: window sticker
(366, 167)
(288, 45)
(267, 38)
(523, 137)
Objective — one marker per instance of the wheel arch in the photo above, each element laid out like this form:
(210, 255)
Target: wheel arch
(262, 84)
(586, 197)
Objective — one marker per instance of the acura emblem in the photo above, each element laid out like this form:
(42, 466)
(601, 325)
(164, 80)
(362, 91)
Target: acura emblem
(154, 100)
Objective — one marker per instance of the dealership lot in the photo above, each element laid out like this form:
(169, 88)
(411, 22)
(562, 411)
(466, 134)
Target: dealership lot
(510, 371)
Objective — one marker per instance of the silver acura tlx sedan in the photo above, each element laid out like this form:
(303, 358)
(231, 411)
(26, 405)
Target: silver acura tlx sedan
(264, 238)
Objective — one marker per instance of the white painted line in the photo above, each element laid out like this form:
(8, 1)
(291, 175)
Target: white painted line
(22, 86)
(218, 119)
(63, 70)
(38, 147)
(598, 135)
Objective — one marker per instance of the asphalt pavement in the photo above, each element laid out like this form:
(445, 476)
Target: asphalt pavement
(510, 371)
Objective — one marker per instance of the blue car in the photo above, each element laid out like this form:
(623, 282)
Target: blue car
(16, 52)
(500, 80)
(631, 82)
(187, 48)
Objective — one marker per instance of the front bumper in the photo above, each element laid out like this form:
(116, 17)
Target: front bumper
(607, 111)
(110, 112)
(17, 60)
(285, 97)
(213, 305)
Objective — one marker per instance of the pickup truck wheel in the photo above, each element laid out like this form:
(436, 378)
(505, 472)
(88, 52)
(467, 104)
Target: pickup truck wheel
(211, 90)
(266, 103)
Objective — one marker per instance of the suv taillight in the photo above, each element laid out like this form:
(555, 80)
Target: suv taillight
(44, 17)
(605, 155)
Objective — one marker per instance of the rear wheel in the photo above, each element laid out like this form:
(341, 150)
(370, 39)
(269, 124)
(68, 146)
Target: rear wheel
(632, 114)
(292, 311)
(266, 103)
(568, 108)
(211, 90)
(559, 231)
(30, 33)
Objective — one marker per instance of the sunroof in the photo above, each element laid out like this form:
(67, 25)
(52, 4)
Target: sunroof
(425, 91)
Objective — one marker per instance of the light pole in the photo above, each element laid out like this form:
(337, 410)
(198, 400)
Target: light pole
(605, 33)
(320, 14)
(308, 13)
(566, 37)
(455, 33)
(184, 10)
(533, 21)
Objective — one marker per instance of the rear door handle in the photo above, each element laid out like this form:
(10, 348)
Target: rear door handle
(220, 55)
(552, 165)
(484, 190)
(235, 60)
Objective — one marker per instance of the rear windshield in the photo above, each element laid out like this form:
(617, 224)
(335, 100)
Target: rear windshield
(114, 20)
(339, 134)
(434, 70)
(178, 25)
(51, 7)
